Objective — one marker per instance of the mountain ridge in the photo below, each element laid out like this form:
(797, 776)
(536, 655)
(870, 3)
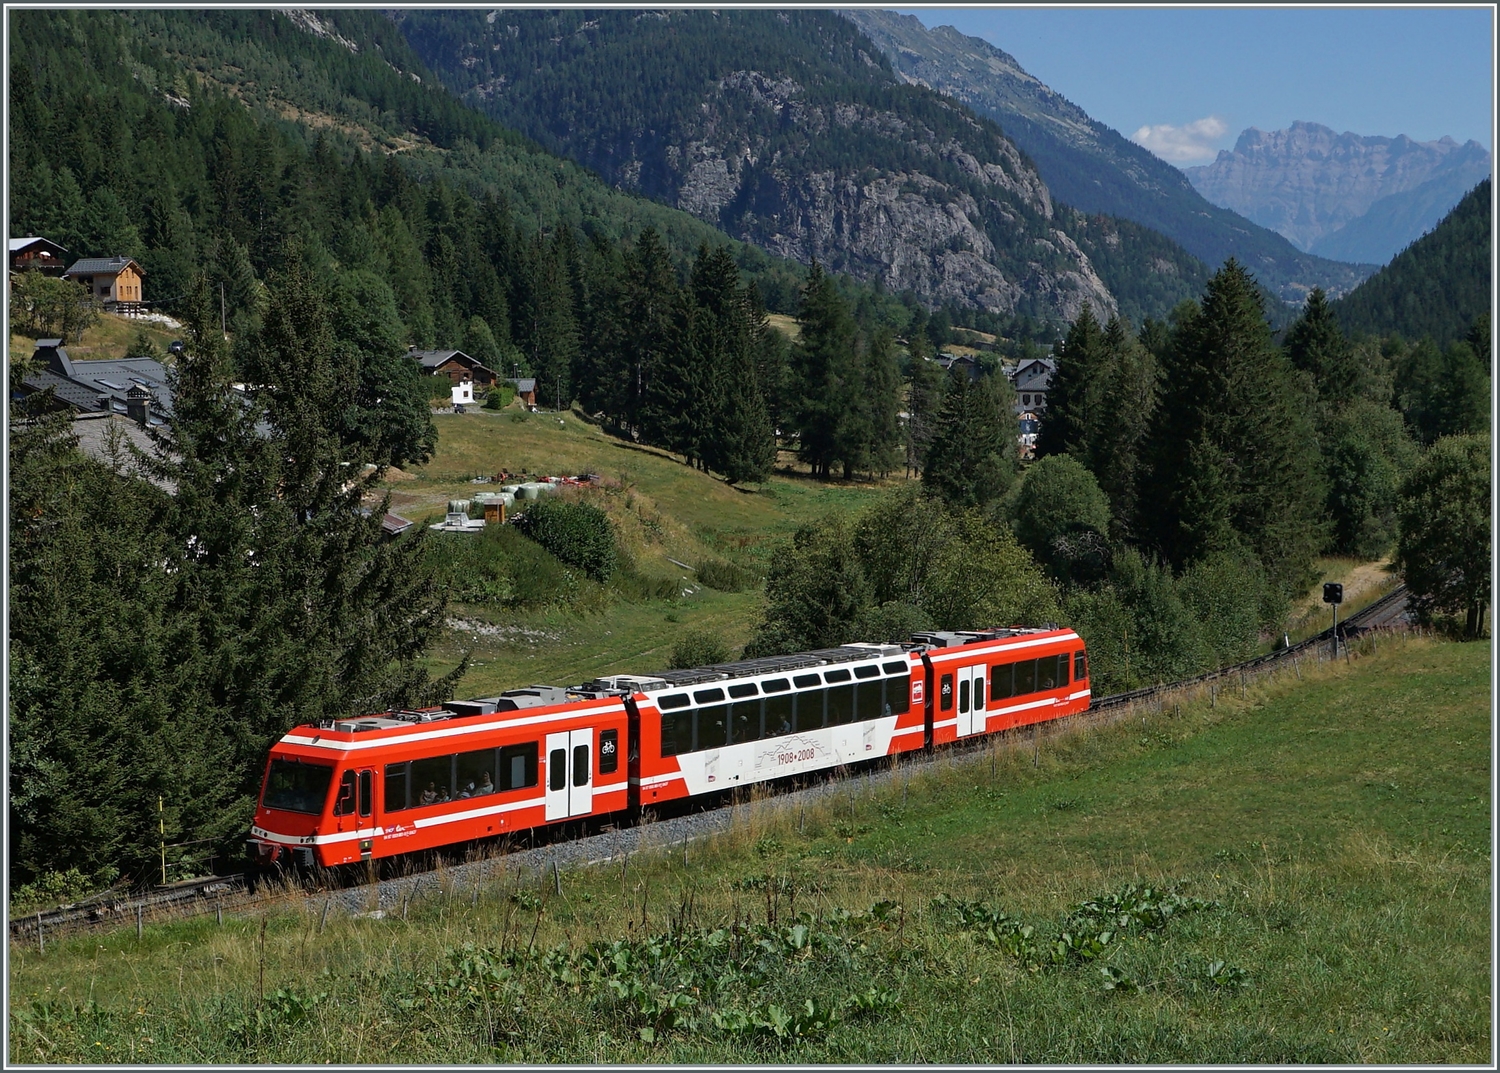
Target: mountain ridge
(791, 131)
(1090, 166)
(1309, 182)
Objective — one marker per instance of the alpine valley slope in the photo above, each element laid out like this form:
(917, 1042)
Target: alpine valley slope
(789, 130)
(1090, 166)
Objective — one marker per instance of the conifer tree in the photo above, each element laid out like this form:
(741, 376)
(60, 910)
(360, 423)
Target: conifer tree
(825, 374)
(924, 400)
(1233, 453)
(1073, 396)
(973, 458)
(1125, 411)
(881, 398)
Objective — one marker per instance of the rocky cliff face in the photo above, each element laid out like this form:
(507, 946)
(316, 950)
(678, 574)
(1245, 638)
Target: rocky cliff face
(811, 149)
(1086, 164)
(1309, 182)
(907, 228)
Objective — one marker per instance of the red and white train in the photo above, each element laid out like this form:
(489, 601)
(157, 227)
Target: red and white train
(360, 789)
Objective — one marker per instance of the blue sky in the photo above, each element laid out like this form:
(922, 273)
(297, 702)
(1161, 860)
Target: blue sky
(1185, 81)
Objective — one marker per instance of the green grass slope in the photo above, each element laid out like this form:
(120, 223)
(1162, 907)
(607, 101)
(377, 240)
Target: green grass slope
(662, 510)
(1301, 874)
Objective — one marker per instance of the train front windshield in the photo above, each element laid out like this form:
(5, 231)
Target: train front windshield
(295, 786)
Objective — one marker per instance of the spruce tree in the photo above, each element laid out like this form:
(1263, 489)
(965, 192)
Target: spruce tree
(1315, 345)
(825, 376)
(1073, 396)
(1233, 453)
(1125, 411)
(881, 398)
(973, 459)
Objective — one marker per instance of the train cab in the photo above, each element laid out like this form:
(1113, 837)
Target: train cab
(345, 791)
(987, 681)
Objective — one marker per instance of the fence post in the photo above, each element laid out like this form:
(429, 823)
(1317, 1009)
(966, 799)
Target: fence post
(41, 943)
(140, 914)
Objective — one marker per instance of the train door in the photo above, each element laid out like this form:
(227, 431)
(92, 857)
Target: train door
(570, 774)
(975, 679)
(970, 700)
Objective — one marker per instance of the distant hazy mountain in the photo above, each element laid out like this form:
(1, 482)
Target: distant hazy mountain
(791, 131)
(1089, 166)
(1342, 195)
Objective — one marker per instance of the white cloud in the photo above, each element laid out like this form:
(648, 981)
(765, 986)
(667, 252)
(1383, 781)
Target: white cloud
(1191, 143)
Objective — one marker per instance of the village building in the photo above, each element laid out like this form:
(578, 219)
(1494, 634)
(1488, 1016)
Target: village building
(115, 282)
(132, 387)
(1032, 380)
(525, 390)
(36, 255)
(454, 364)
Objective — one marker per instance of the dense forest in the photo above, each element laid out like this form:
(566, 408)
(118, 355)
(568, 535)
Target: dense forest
(1437, 286)
(761, 121)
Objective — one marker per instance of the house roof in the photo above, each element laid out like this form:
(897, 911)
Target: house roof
(1035, 375)
(67, 391)
(432, 359)
(19, 244)
(524, 385)
(111, 378)
(101, 266)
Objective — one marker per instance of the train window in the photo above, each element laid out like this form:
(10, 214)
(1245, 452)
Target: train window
(557, 769)
(1046, 673)
(840, 705)
(945, 693)
(676, 733)
(1080, 665)
(963, 696)
(431, 779)
(366, 792)
(745, 721)
(779, 712)
(840, 675)
(897, 667)
(979, 689)
(1062, 669)
(674, 700)
(775, 685)
(476, 773)
(809, 710)
(1002, 681)
(867, 672)
(580, 765)
(518, 765)
(713, 726)
(708, 696)
(343, 805)
(1025, 678)
(897, 695)
(742, 690)
(806, 681)
(609, 751)
(293, 786)
(395, 786)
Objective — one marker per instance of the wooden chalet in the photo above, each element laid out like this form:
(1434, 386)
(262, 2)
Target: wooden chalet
(113, 281)
(454, 364)
(37, 255)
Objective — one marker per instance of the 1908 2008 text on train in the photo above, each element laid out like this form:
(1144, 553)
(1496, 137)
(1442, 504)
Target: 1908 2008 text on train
(353, 790)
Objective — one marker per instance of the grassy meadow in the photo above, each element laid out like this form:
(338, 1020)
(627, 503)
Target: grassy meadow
(1298, 874)
(663, 510)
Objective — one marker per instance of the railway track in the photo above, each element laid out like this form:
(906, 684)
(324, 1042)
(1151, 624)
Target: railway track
(236, 892)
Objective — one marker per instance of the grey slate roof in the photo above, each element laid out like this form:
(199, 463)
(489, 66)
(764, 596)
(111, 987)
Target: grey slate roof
(431, 359)
(94, 265)
(524, 385)
(81, 384)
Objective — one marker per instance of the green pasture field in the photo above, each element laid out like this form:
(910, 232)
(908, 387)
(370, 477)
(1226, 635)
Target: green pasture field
(1301, 873)
(664, 511)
